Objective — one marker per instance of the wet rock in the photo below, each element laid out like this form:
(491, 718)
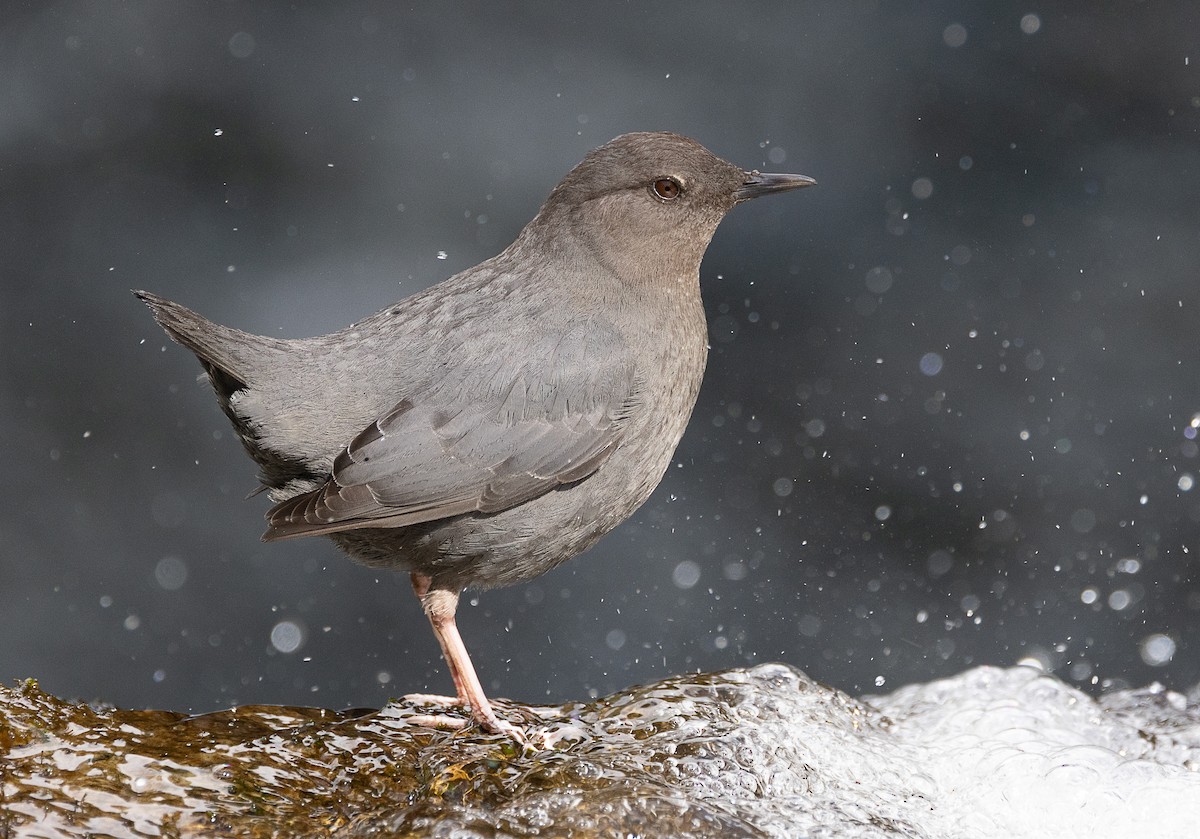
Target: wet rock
(744, 753)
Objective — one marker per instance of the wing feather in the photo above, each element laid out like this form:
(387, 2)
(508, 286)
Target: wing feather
(448, 457)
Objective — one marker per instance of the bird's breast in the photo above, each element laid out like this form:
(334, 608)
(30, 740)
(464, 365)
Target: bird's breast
(670, 371)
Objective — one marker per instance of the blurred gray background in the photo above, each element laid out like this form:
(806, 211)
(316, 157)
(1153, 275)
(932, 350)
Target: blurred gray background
(950, 408)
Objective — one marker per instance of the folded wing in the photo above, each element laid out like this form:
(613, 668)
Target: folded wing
(555, 422)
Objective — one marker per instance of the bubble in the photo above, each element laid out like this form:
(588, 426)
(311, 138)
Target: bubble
(1030, 23)
(879, 279)
(132, 622)
(287, 636)
(1119, 600)
(883, 512)
(1089, 596)
(809, 626)
(171, 573)
(955, 35)
(814, 428)
(777, 155)
(1186, 482)
(383, 677)
(615, 639)
(931, 364)
(241, 44)
(1034, 360)
(783, 487)
(1157, 649)
(922, 188)
(686, 574)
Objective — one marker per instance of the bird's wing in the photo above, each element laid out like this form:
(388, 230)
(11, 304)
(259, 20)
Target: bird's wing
(551, 420)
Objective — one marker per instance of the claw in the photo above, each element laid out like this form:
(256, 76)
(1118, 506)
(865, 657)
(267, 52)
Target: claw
(487, 720)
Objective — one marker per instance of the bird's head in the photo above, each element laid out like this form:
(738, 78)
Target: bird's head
(647, 204)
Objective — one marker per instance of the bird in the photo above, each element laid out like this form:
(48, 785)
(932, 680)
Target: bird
(484, 430)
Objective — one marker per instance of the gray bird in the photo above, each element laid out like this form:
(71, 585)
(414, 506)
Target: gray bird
(492, 426)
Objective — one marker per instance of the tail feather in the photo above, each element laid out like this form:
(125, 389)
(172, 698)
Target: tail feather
(229, 355)
(239, 366)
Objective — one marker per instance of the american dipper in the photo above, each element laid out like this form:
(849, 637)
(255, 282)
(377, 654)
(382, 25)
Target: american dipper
(494, 425)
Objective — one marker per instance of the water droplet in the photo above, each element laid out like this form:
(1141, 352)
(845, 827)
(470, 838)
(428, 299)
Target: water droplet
(1157, 649)
(241, 44)
(171, 573)
(955, 35)
(686, 574)
(287, 636)
(931, 364)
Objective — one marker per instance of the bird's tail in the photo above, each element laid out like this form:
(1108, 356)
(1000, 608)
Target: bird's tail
(240, 367)
(229, 355)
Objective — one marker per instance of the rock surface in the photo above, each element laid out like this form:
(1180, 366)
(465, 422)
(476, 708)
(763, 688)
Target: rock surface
(744, 753)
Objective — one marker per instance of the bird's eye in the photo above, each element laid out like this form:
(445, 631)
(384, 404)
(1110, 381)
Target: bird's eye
(667, 189)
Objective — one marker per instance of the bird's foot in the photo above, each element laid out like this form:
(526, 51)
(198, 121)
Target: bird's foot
(487, 719)
(499, 726)
(442, 722)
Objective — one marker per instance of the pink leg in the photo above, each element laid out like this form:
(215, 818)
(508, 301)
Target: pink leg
(440, 606)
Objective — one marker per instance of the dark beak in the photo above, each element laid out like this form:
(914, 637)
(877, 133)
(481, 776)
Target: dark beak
(761, 183)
